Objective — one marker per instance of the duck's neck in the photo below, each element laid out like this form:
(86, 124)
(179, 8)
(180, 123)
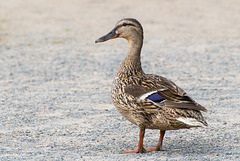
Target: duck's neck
(131, 65)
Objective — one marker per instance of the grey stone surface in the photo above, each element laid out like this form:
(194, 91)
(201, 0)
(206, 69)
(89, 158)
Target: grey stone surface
(55, 82)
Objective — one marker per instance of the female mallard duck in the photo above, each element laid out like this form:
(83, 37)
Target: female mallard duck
(146, 100)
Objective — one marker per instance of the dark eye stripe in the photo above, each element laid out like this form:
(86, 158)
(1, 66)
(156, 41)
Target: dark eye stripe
(127, 24)
(124, 24)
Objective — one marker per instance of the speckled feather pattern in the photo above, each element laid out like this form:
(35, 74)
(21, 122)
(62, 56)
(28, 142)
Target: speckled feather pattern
(146, 113)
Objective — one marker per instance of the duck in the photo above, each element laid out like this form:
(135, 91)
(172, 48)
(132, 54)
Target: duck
(147, 100)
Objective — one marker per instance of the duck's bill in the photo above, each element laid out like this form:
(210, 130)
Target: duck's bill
(110, 35)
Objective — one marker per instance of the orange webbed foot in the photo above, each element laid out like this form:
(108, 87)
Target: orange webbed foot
(142, 150)
(153, 149)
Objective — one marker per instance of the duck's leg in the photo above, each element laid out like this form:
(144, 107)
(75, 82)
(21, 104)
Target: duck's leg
(159, 144)
(140, 148)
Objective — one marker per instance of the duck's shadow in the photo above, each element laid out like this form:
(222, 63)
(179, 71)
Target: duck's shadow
(184, 148)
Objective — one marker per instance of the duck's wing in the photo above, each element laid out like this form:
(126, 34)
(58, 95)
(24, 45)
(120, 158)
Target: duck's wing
(161, 91)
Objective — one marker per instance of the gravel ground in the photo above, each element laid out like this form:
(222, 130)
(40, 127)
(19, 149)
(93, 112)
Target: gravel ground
(55, 82)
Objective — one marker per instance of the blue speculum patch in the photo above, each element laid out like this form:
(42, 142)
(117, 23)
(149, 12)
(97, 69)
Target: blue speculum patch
(155, 97)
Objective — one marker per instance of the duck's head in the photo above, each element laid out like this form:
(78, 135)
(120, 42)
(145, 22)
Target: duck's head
(127, 28)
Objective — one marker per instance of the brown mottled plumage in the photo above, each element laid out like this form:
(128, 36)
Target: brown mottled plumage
(148, 101)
